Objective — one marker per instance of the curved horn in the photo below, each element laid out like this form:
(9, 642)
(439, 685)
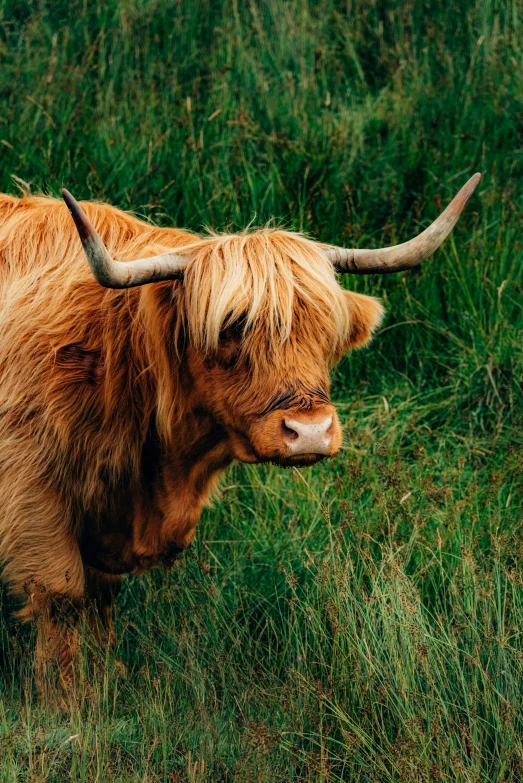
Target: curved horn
(121, 274)
(384, 260)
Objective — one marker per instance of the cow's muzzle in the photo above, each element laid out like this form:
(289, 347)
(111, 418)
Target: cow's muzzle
(294, 437)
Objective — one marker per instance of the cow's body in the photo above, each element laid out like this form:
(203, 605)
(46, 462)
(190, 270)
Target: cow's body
(82, 477)
(119, 409)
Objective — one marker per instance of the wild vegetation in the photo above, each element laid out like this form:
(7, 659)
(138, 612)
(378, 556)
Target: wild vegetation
(361, 620)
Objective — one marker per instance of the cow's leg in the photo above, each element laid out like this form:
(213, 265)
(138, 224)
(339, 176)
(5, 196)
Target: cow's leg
(58, 647)
(101, 590)
(43, 566)
(61, 624)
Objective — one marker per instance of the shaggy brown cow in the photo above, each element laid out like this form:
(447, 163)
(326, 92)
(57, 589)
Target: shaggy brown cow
(120, 406)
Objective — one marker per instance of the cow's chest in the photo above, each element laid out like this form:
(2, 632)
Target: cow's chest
(113, 552)
(136, 536)
(152, 524)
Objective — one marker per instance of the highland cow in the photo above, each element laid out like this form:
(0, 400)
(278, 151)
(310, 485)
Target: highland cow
(125, 395)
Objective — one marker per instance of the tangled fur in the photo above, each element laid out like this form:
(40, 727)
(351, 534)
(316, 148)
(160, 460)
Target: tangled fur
(118, 408)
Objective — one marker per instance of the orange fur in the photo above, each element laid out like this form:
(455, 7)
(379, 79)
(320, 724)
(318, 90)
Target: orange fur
(119, 409)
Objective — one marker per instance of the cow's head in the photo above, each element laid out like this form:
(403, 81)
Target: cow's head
(266, 320)
(263, 319)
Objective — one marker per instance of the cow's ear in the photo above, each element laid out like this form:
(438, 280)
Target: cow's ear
(366, 314)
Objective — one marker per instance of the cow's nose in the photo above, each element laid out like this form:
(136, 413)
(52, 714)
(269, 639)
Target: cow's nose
(303, 437)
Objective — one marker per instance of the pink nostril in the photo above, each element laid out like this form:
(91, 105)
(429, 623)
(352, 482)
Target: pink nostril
(288, 432)
(303, 436)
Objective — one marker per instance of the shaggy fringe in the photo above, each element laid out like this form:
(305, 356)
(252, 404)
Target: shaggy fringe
(259, 278)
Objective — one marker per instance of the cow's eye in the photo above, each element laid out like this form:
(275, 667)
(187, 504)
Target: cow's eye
(229, 346)
(232, 333)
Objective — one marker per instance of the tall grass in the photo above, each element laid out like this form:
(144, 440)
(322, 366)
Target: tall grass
(362, 620)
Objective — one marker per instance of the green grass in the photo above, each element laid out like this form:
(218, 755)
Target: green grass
(361, 620)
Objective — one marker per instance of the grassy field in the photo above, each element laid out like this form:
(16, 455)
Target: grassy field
(360, 621)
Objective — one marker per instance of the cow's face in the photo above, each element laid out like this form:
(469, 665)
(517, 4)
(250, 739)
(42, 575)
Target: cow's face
(264, 375)
(273, 399)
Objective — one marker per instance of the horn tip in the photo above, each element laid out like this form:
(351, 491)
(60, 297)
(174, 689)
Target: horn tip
(467, 190)
(83, 225)
(473, 182)
(71, 202)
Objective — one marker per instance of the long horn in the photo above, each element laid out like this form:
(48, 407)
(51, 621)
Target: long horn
(384, 260)
(121, 274)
